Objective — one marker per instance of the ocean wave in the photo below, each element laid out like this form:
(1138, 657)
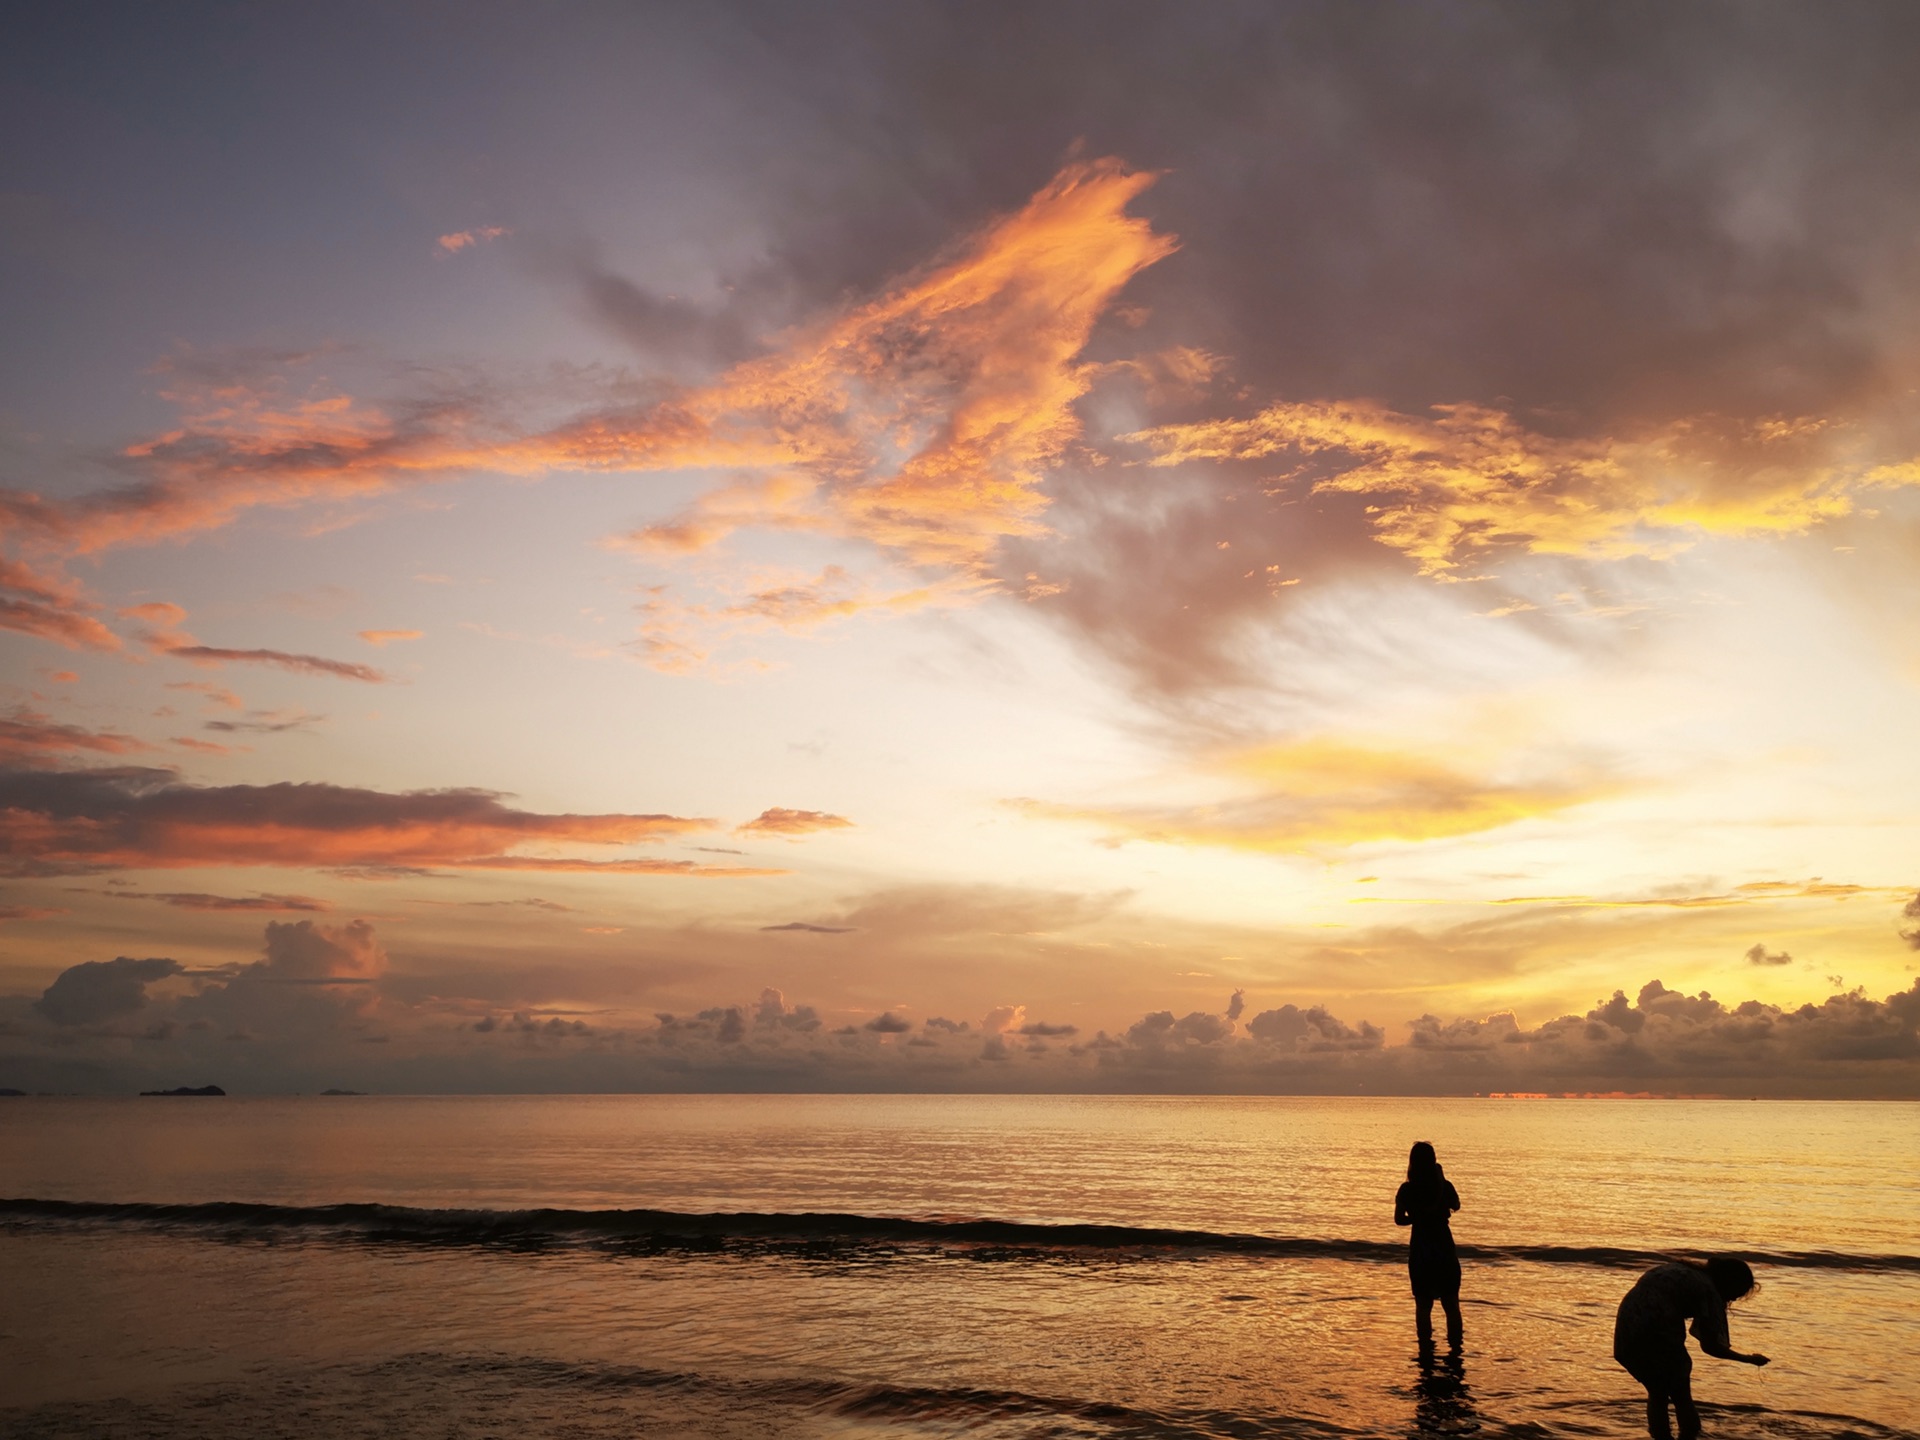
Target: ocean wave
(820, 1232)
(546, 1399)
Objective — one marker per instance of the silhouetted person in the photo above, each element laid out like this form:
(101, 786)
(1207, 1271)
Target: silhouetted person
(1650, 1333)
(1425, 1202)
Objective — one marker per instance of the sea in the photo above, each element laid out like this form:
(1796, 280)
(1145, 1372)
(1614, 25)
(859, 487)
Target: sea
(890, 1266)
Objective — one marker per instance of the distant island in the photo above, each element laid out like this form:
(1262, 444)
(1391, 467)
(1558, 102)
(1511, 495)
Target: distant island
(188, 1090)
(343, 1092)
(5, 1091)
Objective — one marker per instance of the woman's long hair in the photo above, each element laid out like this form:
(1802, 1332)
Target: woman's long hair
(1423, 1166)
(1731, 1276)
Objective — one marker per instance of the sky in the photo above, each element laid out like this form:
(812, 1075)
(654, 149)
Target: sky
(1301, 548)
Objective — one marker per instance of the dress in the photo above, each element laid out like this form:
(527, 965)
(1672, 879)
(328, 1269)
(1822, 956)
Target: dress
(1650, 1330)
(1432, 1266)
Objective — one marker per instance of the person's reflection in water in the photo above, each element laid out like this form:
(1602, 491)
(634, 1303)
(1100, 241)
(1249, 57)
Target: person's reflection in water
(1442, 1401)
(1650, 1333)
(1425, 1202)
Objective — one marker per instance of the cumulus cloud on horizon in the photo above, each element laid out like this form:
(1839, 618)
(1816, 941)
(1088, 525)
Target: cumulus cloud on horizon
(318, 990)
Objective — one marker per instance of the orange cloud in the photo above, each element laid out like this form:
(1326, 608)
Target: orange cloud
(1318, 794)
(923, 421)
(460, 240)
(779, 821)
(134, 817)
(388, 637)
(1465, 481)
(28, 737)
(676, 636)
(249, 442)
(35, 604)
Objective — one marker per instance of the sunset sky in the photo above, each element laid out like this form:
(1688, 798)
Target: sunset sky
(961, 547)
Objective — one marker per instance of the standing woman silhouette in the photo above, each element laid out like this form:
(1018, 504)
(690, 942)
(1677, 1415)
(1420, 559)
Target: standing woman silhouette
(1425, 1202)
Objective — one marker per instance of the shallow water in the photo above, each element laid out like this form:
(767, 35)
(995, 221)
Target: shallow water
(281, 1318)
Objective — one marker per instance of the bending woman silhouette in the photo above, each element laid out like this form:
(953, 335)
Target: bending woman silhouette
(1425, 1202)
(1650, 1333)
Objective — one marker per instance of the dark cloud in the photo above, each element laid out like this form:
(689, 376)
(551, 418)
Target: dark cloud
(194, 900)
(1911, 934)
(283, 659)
(265, 723)
(1197, 1028)
(128, 816)
(100, 990)
(313, 984)
(299, 1006)
(665, 328)
(802, 925)
(726, 1025)
(1601, 219)
(1760, 955)
(1629, 208)
(301, 952)
(1046, 1031)
(1313, 1031)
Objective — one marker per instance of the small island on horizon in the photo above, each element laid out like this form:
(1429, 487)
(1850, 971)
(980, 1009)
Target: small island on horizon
(188, 1090)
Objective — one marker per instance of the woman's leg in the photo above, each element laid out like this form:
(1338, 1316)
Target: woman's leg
(1683, 1408)
(1423, 1318)
(1657, 1425)
(1451, 1304)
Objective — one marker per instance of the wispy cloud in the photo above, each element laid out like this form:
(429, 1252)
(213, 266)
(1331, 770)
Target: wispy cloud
(1307, 795)
(281, 659)
(160, 630)
(28, 737)
(34, 603)
(389, 637)
(196, 900)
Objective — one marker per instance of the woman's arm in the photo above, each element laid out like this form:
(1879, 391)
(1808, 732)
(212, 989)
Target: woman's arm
(1710, 1329)
(1401, 1215)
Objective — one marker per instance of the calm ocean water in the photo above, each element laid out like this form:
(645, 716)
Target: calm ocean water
(854, 1266)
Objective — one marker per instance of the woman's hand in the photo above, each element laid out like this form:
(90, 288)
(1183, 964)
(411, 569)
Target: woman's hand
(1754, 1359)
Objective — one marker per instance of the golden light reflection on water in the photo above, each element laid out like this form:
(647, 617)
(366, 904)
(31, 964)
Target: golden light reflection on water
(871, 1339)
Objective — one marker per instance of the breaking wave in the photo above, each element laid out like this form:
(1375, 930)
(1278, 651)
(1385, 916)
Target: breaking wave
(659, 1231)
